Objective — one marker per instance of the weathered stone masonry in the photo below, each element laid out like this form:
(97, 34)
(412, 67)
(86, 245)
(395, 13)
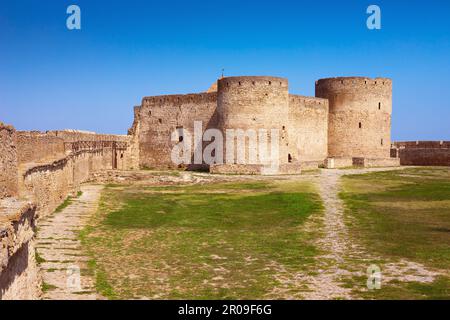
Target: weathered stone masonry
(422, 153)
(349, 119)
(38, 171)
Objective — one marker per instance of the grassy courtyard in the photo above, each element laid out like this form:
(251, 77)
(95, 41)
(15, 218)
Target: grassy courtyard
(212, 241)
(402, 215)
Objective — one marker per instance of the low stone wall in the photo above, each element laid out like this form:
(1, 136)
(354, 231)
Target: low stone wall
(311, 165)
(255, 169)
(8, 162)
(376, 162)
(50, 184)
(19, 276)
(337, 162)
(422, 153)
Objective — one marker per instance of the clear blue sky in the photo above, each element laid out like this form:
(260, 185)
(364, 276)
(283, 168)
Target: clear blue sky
(53, 78)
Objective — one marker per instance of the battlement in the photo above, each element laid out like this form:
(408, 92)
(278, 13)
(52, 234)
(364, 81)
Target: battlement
(250, 82)
(179, 99)
(422, 144)
(308, 101)
(354, 82)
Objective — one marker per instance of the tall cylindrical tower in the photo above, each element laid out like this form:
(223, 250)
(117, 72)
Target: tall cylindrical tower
(360, 112)
(255, 103)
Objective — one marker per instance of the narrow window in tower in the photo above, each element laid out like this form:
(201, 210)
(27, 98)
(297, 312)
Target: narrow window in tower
(379, 105)
(289, 158)
(381, 141)
(360, 125)
(160, 120)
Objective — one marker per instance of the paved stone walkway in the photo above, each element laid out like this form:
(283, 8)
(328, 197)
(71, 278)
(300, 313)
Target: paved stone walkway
(58, 245)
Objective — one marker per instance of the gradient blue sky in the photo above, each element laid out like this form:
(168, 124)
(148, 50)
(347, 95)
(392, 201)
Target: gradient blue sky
(53, 78)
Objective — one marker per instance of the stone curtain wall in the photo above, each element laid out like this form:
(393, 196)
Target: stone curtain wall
(50, 184)
(44, 187)
(359, 116)
(423, 153)
(308, 128)
(18, 271)
(8, 161)
(35, 146)
(159, 116)
(42, 147)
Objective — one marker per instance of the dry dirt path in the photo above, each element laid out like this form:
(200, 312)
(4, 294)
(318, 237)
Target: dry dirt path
(59, 247)
(341, 252)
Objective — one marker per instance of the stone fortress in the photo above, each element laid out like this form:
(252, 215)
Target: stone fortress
(348, 123)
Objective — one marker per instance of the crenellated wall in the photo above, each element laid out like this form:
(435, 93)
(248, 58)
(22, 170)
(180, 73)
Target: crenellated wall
(422, 153)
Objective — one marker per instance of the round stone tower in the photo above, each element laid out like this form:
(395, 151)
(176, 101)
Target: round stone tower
(360, 112)
(255, 103)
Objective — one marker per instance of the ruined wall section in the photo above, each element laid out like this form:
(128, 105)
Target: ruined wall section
(422, 153)
(359, 116)
(255, 103)
(8, 161)
(308, 128)
(159, 116)
(19, 277)
(18, 272)
(133, 133)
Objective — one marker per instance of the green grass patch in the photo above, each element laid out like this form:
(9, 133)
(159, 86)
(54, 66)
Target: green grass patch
(45, 287)
(227, 240)
(67, 202)
(38, 258)
(403, 214)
